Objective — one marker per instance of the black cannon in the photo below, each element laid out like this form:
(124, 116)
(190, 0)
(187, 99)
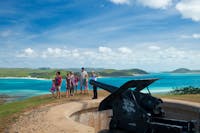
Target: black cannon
(137, 112)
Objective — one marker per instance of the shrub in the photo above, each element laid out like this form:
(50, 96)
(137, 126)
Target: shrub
(186, 90)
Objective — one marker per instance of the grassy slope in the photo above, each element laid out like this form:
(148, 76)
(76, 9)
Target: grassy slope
(25, 72)
(11, 111)
(187, 97)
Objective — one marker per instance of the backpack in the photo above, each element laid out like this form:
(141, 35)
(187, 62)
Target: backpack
(58, 80)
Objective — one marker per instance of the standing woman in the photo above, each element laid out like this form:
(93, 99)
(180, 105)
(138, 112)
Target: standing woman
(58, 80)
(94, 77)
(68, 84)
(72, 79)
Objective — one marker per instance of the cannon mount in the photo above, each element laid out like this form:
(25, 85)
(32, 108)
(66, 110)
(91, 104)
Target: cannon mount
(134, 111)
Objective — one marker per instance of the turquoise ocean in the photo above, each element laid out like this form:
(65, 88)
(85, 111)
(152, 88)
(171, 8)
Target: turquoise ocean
(27, 87)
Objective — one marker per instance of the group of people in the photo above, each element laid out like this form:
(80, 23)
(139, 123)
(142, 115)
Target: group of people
(72, 81)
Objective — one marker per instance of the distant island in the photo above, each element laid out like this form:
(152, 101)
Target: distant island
(128, 72)
(49, 73)
(185, 70)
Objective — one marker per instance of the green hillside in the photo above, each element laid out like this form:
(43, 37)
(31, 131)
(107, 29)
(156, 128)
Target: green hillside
(27, 72)
(50, 73)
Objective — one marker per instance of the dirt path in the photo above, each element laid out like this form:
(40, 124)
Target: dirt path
(54, 119)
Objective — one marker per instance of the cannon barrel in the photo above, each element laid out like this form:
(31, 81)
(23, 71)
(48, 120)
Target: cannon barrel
(104, 86)
(134, 111)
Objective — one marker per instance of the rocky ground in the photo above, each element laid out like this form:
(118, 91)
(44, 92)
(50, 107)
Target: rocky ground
(7, 98)
(3, 98)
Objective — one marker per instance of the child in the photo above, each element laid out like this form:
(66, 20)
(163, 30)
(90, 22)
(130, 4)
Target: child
(76, 82)
(86, 84)
(53, 88)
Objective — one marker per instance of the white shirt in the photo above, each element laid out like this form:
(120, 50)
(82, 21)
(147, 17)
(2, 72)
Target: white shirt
(83, 74)
(94, 77)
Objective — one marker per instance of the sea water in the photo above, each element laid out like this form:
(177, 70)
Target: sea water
(28, 87)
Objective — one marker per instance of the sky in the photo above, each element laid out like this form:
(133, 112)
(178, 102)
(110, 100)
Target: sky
(153, 35)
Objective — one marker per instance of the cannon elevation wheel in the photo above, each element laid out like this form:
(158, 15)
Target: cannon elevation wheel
(113, 124)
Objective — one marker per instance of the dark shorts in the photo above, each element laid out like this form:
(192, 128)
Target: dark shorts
(68, 88)
(58, 88)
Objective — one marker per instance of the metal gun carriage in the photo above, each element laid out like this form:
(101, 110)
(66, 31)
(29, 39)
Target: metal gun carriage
(137, 112)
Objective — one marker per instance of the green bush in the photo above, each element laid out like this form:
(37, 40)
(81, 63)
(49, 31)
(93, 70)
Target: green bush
(186, 90)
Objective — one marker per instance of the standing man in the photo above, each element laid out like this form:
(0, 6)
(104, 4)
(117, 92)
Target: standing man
(58, 80)
(82, 78)
(94, 77)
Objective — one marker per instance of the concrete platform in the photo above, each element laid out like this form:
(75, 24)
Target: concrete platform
(83, 117)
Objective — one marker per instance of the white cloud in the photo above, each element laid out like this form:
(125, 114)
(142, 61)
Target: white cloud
(28, 52)
(193, 36)
(75, 53)
(189, 9)
(154, 48)
(88, 53)
(121, 1)
(156, 4)
(55, 52)
(196, 36)
(145, 57)
(125, 50)
(105, 50)
(173, 53)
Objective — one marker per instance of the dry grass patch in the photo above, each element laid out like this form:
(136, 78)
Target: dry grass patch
(187, 97)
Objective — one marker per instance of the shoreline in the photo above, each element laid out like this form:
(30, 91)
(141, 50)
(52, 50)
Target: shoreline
(20, 91)
(153, 90)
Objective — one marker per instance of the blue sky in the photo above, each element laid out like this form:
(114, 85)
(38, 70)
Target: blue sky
(154, 35)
